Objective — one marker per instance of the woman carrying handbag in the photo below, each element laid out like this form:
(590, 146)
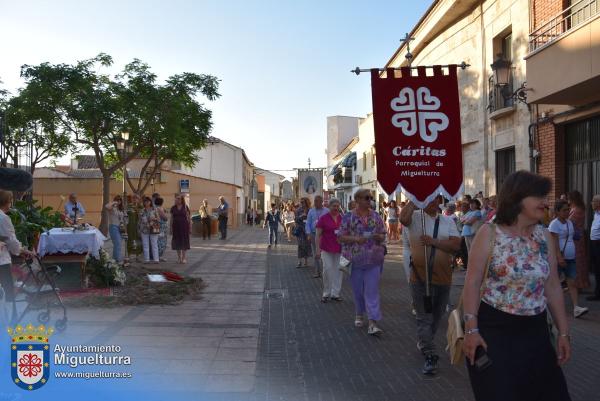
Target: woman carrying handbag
(507, 342)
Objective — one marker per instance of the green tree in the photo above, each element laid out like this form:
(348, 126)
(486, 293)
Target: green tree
(25, 128)
(94, 108)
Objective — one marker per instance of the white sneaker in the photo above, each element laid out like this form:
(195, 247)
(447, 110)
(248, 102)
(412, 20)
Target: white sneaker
(374, 331)
(579, 311)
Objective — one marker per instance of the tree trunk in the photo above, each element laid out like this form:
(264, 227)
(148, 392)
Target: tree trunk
(105, 199)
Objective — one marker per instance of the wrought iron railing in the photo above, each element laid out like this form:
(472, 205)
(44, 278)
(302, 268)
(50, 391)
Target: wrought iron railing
(499, 96)
(568, 19)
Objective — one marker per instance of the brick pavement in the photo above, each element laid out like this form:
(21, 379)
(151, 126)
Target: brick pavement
(260, 334)
(199, 350)
(311, 351)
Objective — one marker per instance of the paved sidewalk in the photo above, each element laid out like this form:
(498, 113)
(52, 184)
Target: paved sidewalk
(206, 346)
(311, 351)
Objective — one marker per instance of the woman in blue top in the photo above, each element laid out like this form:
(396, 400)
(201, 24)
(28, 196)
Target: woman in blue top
(471, 222)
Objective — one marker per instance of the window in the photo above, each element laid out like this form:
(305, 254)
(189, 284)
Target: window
(373, 156)
(507, 47)
(500, 96)
(505, 165)
(364, 161)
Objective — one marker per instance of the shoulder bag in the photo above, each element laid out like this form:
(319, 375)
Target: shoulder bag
(455, 335)
(562, 251)
(346, 264)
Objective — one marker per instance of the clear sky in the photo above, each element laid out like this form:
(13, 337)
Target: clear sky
(284, 65)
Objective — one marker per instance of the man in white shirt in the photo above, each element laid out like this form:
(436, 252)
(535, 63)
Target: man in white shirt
(446, 242)
(595, 247)
(73, 207)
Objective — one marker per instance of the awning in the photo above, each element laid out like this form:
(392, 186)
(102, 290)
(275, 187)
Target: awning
(349, 160)
(334, 169)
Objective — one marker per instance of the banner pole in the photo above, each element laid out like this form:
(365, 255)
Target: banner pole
(427, 300)
(358, 70)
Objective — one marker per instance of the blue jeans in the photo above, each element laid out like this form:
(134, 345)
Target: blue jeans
(272, 234)
(115, 236)
(223, 226)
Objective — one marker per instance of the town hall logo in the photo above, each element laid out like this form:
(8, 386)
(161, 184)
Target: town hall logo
(418, 112)
(30, 356)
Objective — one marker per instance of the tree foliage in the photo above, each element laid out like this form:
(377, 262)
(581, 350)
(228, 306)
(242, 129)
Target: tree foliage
(26, 128)
(164, 120)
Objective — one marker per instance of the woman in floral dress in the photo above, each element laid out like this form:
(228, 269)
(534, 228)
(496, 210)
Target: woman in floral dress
(149, 226)
(362, 234)
(512, 281)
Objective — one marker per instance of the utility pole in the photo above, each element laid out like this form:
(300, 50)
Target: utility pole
(309, 163)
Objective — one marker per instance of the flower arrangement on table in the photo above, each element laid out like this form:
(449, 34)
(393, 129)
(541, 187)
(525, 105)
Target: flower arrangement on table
(104, 271)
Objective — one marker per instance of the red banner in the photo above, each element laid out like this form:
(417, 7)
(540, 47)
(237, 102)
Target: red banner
(417, 133)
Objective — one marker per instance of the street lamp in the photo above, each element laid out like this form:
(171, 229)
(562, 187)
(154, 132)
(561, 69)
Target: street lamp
(502, 78)
(501, 68)
(124, 148)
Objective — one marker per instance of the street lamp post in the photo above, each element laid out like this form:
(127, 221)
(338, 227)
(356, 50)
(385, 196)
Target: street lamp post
(502, 69)
(124, 147)
(253, 195)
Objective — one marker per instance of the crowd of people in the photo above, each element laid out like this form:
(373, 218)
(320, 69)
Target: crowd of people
(145, 224)
(520, 250)
(325, 236)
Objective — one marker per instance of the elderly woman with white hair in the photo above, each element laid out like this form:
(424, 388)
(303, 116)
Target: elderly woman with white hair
(329, 251)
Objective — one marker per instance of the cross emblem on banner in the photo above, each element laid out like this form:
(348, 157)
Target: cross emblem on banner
(417, 111)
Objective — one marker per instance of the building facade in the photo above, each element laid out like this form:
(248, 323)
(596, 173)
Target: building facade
(494, 125)
(563, 72)
(53, 185)
(223, 162)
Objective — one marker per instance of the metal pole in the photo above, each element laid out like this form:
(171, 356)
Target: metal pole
(427, 284)
(358, 70)
(126, 216)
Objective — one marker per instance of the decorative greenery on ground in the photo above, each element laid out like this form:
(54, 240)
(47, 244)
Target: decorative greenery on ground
(138, 290)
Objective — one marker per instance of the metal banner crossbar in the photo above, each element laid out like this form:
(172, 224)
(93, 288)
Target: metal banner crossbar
(358, 70)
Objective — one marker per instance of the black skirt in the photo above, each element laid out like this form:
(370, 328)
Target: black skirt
(524, 364)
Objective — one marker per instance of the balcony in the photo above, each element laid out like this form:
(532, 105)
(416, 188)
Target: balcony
(563, 66)
(500, 101)
(343, 171)
(569, 19)
(343, 178)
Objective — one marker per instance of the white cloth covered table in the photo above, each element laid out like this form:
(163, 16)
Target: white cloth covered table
(58, 241)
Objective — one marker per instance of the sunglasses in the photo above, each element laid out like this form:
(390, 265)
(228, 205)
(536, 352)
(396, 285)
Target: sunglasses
(369, 198)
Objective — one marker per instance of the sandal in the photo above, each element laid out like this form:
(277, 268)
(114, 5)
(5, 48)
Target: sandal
(336, 299)
(324, 300)
(358, 321)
